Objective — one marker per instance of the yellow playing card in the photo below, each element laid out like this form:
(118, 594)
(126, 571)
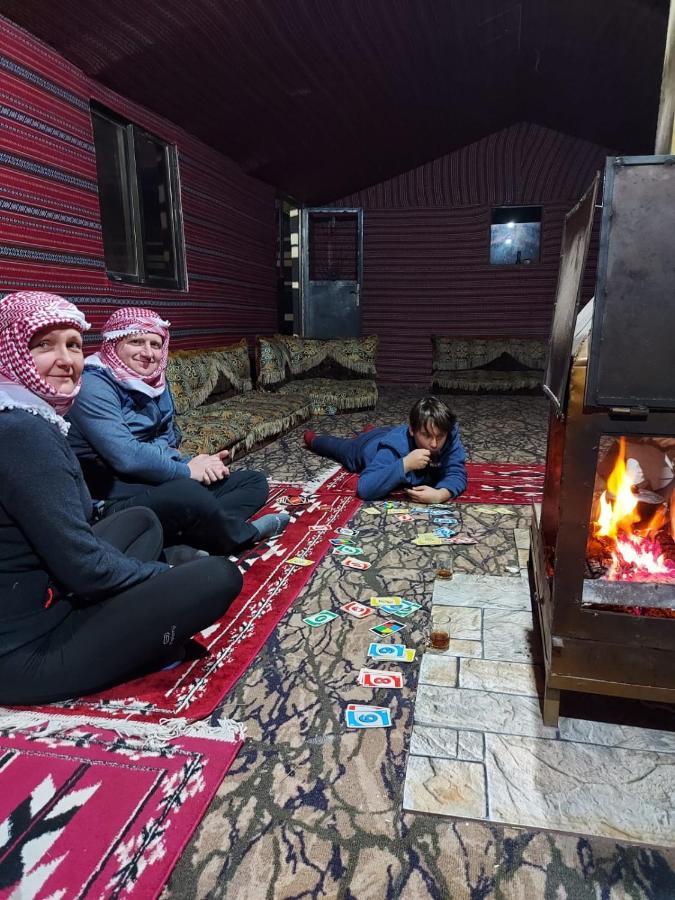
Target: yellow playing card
(372, 511)
(428, 539)
(299, 561)
(386, 601)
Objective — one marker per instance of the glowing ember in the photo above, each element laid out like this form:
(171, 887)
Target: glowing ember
(630, 541)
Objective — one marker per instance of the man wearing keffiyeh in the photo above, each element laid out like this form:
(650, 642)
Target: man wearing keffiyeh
(125, 436)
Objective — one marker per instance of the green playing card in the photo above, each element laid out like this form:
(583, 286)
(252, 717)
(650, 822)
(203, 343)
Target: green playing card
(320, 618)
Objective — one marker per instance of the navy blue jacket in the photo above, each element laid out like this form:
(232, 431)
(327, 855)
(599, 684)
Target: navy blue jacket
(379, 458)
(124, 439)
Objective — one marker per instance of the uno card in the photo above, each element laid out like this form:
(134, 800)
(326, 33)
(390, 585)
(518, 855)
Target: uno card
(340, 542)
(446, 520)
(362, 716)
(297, 501)
(393, 652)
(380, 678)
(404, 517)
(348, 550)
(445, 532)
(428, 539)
(387, 627)
(350, 562)
(462, 539)
(358, 610)
(372, 511)
(403, 609)
(349, 532)
(388, 601)
(320, 618)
(318, 527)
(388, 504)
(299, 561)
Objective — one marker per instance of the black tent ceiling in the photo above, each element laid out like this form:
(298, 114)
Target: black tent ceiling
(322, 97)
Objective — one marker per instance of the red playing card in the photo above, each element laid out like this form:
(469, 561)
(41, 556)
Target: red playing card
(380, 678)
(350, 562)
(358, 610)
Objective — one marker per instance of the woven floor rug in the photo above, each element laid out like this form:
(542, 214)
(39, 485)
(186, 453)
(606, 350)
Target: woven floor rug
(87, 813)
(221, 654)
(493, 483)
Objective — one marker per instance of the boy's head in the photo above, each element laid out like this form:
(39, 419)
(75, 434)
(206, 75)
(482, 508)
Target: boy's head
(431, 421)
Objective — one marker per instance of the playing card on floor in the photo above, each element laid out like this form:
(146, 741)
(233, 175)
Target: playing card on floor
(388, 628)
(362, 716)
(393, 652)
(388, 601)
(358, 610)
(320, 618)
(403, 609)
(380, 678)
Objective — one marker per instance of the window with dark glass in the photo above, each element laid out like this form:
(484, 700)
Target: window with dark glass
(140, 203)
(515, 234)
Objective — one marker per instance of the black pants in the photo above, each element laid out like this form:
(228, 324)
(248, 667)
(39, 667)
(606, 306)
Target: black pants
(140, 629)
(209, 518)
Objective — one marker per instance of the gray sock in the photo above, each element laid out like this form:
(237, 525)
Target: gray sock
(271, 525)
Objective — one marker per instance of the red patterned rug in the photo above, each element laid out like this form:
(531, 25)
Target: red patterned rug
(492, 483)
(221, 654)
(89, 813)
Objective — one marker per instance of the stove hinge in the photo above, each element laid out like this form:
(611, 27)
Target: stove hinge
(628, 412)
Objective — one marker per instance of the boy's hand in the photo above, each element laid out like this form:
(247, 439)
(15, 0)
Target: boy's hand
(416, 460)
(425, 494)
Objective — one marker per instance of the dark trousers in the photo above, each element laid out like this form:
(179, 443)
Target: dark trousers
(349, 452)
(209, 518)
(137, 630)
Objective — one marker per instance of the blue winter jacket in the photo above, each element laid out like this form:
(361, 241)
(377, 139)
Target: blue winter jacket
(380, 455)
(123, 439)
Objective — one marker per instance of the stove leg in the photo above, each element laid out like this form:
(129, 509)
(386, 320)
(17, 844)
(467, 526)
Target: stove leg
(551, 709)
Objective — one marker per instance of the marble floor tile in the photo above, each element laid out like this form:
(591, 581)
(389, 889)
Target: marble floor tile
(501, 677)
(558, 785)
(522, 538)
(483, 591)
(439, 669)
(436, 785)
(459, 648)
(626, 737)
(462, 622)
(440, 743)
(479, 711)
(471, 746)
(509, 635)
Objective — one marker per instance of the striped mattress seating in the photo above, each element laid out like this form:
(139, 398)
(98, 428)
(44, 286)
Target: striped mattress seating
(334, 375)
(498, 364)
(216, 406)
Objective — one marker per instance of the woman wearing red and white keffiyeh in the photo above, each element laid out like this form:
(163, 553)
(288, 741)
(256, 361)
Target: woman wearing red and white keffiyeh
(82, 606)
(125, 435)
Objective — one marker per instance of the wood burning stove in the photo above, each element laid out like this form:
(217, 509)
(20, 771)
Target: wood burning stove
(606, 619)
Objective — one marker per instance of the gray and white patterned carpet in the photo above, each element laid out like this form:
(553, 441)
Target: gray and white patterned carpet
(311, 810)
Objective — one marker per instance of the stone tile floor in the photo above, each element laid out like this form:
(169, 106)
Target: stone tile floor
(479, 749)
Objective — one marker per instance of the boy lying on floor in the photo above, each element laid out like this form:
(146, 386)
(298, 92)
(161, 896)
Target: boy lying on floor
(425, 458)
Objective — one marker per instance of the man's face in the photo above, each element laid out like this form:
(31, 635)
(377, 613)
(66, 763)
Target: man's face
(429, 438)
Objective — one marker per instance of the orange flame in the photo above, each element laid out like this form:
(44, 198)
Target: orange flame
(635, 551)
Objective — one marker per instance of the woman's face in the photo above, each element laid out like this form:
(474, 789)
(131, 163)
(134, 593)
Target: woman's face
(58, 357)
(141, 352)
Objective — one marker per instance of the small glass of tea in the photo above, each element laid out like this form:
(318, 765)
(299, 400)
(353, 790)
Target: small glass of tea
(444, 566)
(439, 638)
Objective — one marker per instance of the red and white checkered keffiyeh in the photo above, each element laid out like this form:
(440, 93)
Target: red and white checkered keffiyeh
(21, 315)
(123, 322)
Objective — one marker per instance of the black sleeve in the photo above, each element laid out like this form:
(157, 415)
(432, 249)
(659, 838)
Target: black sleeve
(41, 489)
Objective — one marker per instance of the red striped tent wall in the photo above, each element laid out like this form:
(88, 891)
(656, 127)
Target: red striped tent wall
(427, 239)
(50, 230)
